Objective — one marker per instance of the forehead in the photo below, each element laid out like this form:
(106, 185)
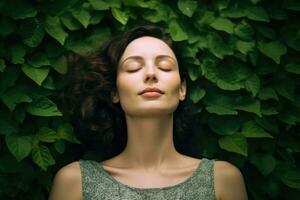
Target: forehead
(147, 46)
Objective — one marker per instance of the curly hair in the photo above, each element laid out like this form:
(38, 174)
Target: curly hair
(92, 78)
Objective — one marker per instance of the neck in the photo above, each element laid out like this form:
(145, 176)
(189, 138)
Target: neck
(150, 143)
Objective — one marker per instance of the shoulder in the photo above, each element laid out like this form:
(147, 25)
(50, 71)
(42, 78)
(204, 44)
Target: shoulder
(67, 183)
(229, 182)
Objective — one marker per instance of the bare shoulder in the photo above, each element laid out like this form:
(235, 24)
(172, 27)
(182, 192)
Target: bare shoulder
(229, 182)
(67, 183)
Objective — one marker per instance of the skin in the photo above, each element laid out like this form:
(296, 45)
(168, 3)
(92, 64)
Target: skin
(150, 154)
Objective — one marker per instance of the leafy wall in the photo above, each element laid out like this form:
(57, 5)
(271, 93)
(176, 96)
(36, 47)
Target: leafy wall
(243, 64)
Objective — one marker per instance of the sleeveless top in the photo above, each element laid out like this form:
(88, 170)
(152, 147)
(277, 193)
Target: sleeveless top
(98, 184)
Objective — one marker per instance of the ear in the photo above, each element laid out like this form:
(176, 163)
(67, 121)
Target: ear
(114, 97)
(182, 90)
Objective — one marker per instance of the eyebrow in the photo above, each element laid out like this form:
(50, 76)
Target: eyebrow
(141, 58)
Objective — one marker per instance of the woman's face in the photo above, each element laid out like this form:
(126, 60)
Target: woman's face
(148, 62)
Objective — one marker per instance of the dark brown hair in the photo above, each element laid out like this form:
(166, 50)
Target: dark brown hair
(92, 78)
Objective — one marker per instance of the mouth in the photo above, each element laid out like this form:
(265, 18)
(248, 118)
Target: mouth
(151, 91)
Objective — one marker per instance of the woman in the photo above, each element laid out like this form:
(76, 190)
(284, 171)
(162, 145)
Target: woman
(149, 86)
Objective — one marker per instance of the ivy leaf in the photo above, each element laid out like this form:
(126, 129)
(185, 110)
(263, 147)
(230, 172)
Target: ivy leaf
(236, 143)
(13, 97)
(194, 72)
(197, 93)
(17, 54)
(265, 163)
(291, 178)
(83, 16)
(291, 67)
(105, 5)
(273, 50)
(244, 30)
(2, 65)
(251, 130)
(68, 21)
(60, 146)
(244, 47)
(223, 24)
(60, 64)
(20, 10)
(225, 126)
(46, 134)
(32, 32)
(55, 29)
(187, 7)
(39, 60)
(252, 106)
(266, 93)
(43, 106)
(38, 75)
(19, 146)
(42, 157)
(257, 13)
(177, 33)
(220, 110)
(286, 88)
(120, 15)
(65, 131)
(252, 84)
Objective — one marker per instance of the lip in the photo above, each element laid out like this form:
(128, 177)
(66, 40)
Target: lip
(151, 91)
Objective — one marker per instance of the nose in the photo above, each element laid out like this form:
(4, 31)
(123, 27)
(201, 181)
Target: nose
(150, 73)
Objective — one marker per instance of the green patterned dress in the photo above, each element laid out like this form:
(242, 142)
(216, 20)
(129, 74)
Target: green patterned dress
(98, 184)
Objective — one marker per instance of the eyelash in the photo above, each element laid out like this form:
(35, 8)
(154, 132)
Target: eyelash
(166, 70)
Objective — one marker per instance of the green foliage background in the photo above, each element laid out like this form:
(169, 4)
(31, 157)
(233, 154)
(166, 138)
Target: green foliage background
(243, 62)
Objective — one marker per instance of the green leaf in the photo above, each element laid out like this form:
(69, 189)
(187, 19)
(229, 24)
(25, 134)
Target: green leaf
(120, 15)
(2, 65)
(60, 146)
(251, 130)
(273, 50)
(286, 88)
(19, 146)
(49, 83)
(248, 105)
(291, 178)
(20, 10)
(266, 93)
(221, 125)
(42, 157)
(236, 143)
(291, 67)
(55, 29)
(257, 13)
(177, 33)
(32, 32)
(68, 21)
(38, 75)
(244, 47)
(60, 64)
(244, 30)
(223, 24)
(17, 54)
(43, 106)
(265, 163)
(89, 43)
(197, 93)
(105, 5)
(187, 7)
(217, 45)
(252, 84)
(46, 134)
(39, 60)
(65, 131)
(83, 16)
(220, 110)
(13, 97)
(194, 72)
